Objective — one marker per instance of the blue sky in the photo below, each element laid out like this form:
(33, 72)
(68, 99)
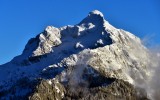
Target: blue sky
(21, 20)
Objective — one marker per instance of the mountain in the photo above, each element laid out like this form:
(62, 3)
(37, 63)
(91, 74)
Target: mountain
(90, 60)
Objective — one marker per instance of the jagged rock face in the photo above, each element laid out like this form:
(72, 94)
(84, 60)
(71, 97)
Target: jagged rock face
(93, 56)
(118, 90)
(47, 90)
(43, 43)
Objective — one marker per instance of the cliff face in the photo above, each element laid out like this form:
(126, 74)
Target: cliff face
(90, 60)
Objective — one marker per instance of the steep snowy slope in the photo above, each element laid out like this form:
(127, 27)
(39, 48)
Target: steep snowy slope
(90, 51)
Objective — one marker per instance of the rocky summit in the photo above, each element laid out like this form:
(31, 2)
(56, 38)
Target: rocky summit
(91, 60)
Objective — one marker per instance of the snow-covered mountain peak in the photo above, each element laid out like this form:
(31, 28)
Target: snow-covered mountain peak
(96, 12)
(94, 25)
(93, 48)
(95, 17)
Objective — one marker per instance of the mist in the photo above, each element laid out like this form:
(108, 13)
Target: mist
(152, 83)
(76, 83)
